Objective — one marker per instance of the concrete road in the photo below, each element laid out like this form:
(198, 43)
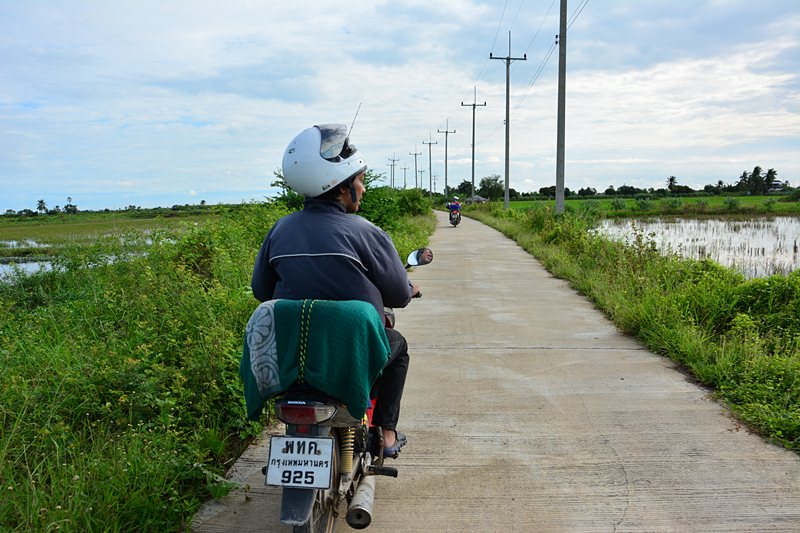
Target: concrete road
(526, 410)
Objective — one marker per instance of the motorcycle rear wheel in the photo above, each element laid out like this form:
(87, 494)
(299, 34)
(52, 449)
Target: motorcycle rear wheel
(323, 514)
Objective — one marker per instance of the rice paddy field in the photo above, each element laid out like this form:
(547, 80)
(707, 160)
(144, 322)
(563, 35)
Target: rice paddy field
(756, 247)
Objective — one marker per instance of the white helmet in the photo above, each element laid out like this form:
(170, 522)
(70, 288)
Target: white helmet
(320, 158)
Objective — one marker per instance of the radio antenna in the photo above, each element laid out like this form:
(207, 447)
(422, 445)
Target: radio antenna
(354, 119)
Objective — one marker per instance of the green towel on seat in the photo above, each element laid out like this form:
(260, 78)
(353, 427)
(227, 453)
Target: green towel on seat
(338, 347)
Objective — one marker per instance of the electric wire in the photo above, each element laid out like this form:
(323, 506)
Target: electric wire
(542, 65)
(576, 13)
(496, 34)
(571, 20)
(535, 35)
(511, 27)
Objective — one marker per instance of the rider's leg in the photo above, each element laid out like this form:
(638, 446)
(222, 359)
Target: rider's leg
(390, 386)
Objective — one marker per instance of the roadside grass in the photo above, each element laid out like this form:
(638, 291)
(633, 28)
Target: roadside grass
(672, 206)
(120, 400)
(740, 337)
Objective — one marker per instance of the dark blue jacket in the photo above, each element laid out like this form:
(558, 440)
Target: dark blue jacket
(324, 253)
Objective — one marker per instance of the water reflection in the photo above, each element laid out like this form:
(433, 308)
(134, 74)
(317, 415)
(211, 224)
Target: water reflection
(8, 269)
(756, 247)
(26, 243)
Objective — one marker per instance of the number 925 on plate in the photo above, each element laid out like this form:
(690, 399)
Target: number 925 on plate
(300, 462)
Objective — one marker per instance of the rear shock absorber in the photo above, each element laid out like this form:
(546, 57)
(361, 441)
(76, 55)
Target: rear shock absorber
(348, 436)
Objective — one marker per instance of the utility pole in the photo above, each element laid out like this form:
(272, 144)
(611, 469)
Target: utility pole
(421, 172)
(508, 59)
(405, 185)
(430, 167)
(562, 101)
(415, 154)
(392, 164)
(473, 105)
(446, 133)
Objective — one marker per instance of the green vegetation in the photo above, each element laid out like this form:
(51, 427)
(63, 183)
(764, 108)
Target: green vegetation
(120, 401)
(672, 206)
(740, 337)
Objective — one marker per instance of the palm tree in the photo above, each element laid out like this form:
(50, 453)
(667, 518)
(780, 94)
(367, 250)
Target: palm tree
(671, 182)
(41, 206)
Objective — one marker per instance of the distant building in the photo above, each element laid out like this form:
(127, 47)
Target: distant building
(778, 186)
(476, 199)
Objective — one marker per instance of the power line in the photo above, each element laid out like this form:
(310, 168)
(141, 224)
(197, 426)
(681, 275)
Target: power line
(446, 134)
(507, 60)
(473, 105)
(392, 164)
(544, 18)
(511, 27)
(548, 54)
(496, 33)
(430, 167)
(415, 154)
(535, 76)
(576, 13)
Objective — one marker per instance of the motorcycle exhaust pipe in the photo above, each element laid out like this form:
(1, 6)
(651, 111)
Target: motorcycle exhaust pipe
(359, 512)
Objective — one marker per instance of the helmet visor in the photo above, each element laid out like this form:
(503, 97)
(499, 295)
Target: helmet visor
(334, 144)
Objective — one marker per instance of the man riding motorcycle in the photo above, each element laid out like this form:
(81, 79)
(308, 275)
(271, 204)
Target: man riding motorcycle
(323, 252)
(455, 208)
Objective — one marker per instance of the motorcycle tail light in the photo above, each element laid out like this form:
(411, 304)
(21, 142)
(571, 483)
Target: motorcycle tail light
(302, 413)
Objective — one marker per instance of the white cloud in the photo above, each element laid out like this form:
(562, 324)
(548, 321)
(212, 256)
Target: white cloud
(157, 99)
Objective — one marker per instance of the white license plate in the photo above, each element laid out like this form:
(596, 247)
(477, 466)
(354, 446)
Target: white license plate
(300, 462)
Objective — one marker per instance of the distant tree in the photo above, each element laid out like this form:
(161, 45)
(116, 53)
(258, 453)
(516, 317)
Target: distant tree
(41, 206)
(587, 191)
(672, 181)
(548, 191)
(629, 190)
(744, 182)
(770, 179)
(10, 213)
(611, 191)
(202, 202)
(464, 188)
(757, 181)
(491, 188)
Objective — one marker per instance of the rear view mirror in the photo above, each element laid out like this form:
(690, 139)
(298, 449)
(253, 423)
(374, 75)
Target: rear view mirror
(420, 257)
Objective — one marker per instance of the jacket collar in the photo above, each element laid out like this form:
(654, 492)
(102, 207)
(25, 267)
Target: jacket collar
(322, 206)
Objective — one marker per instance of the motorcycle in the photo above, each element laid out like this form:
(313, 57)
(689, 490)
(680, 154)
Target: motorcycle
(455, 217)
(326, 456)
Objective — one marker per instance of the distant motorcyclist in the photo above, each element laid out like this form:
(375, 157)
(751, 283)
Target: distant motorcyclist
(324, 252)
(454, 206)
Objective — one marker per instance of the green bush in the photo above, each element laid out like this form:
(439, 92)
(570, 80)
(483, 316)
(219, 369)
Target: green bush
(120, 399)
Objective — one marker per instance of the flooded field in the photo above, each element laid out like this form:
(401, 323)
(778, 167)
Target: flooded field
(755, 247)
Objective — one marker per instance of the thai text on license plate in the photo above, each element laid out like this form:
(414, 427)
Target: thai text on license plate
(300, 462)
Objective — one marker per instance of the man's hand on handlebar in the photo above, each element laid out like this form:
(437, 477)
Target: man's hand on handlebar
(416, 292)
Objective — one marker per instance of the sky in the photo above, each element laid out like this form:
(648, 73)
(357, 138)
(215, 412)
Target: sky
(150, 103)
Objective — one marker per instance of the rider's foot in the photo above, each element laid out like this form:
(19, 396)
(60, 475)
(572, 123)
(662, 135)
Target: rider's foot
(392, 442)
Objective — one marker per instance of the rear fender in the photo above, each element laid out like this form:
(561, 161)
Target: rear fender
(296, 505)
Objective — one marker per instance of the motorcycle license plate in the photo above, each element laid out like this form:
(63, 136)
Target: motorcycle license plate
(300, 462)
